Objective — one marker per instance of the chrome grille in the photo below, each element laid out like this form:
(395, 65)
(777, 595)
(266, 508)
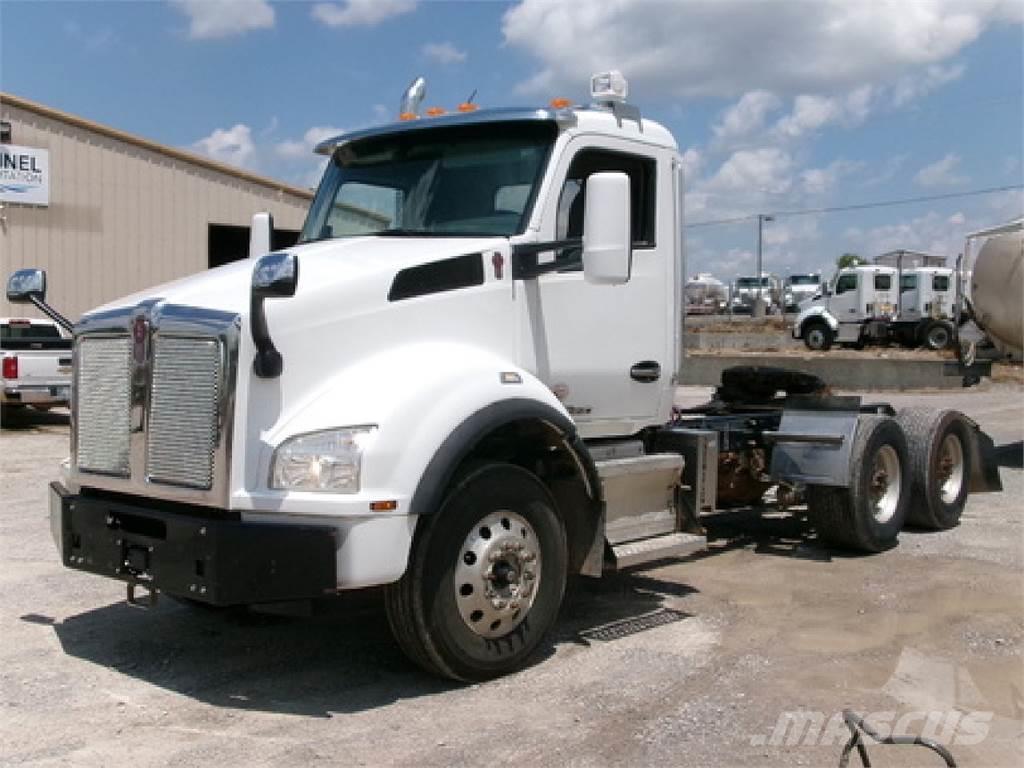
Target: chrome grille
(102, 405)
(183, 411)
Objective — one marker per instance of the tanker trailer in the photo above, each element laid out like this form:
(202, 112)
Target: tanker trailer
(705, 295)
(995, 285)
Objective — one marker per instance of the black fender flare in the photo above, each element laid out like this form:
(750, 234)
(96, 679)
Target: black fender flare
(460, 443)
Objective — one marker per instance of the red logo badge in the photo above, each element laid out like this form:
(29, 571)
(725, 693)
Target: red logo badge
(140, 337)
(498, 262)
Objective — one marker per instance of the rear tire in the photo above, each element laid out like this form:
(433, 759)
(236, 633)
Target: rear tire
(818, 336)
(868, 515)
(940, 466)
(485, 578)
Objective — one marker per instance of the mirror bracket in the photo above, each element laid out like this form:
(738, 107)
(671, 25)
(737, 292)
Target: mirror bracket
(276, 275)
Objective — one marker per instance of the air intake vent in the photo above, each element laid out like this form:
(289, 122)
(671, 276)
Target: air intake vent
(183, 421)
(102, 406)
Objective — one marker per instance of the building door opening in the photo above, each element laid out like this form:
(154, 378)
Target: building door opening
(227, 243)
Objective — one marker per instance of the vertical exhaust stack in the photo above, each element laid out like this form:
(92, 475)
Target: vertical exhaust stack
(411, 99)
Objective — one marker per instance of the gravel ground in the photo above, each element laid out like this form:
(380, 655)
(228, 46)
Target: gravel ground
(764, 624)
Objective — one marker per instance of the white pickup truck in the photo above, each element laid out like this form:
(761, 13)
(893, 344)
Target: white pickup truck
(36, 364)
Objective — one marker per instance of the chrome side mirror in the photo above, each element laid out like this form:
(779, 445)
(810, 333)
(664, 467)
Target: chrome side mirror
(275, 275)
(24, 284)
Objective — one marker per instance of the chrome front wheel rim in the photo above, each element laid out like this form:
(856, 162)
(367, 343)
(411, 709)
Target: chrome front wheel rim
(497, 574)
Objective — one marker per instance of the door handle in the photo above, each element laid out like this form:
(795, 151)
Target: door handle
(645, 371)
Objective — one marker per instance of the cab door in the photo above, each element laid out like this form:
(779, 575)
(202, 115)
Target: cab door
(606, 350)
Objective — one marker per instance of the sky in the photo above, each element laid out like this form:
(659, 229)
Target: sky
(779, 106)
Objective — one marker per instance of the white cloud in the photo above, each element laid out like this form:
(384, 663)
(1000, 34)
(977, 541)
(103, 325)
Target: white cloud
(768, 170)
(820, 181)
(692, 162)
(210, 19)
(303, 148)
(746, 116)
(941, 173)
(231, 145)
(443, 53)
(915, 86)
(811, 113)
(699, 48)
(360, 13)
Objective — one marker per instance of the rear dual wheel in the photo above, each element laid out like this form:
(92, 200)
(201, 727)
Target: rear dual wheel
(869, 513)
(485, 577)
(940, 460)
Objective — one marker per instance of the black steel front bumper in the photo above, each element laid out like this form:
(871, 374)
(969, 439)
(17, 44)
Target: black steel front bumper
(181, 552)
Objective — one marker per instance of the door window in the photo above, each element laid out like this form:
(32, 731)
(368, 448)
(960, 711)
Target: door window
(846, 283)
(908, 283)
(571, 200)
(883, 282)
(940, 283)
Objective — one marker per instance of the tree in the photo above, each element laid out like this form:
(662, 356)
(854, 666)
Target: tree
(849, 260)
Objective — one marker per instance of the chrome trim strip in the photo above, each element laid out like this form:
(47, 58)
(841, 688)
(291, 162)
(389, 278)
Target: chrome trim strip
(498, 115)
(168, 320)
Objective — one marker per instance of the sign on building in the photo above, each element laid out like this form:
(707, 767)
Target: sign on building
(24, 175)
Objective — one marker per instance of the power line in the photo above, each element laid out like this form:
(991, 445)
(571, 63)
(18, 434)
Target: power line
(857, 206)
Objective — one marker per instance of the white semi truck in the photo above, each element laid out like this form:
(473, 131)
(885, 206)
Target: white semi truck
(877, 304)
(466, 404)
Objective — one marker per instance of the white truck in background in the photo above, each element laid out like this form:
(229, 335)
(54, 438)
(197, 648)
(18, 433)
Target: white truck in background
(873, 304)
(36, 365)
(799, 288)
(747, 290)
(465, 404)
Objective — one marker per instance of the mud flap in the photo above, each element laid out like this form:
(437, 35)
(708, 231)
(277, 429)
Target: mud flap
(984, 463)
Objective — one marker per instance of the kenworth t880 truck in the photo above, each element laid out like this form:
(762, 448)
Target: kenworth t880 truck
(459, 386)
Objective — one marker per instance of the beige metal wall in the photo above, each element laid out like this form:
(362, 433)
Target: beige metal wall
(124, 213)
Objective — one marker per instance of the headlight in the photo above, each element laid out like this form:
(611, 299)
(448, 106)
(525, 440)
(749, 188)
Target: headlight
(321, 461)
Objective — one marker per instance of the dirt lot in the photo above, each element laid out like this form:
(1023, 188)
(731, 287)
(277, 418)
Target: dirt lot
(764, 624)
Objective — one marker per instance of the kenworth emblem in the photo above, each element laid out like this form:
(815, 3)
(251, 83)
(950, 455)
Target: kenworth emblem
(140, 339)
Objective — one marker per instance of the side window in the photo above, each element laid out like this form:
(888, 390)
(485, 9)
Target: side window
(846, 283)
(883, 282)
(940, 283)
(641, 172)
(908, 283)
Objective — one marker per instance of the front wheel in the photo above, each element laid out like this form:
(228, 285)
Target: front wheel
(818, 336)
(485, 577)
(869, 513)
(937, 335)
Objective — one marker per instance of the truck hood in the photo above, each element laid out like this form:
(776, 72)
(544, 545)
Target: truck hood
(323, 266)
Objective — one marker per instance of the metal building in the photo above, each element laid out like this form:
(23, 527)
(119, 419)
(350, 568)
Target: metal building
(902, 259)
(106, 213)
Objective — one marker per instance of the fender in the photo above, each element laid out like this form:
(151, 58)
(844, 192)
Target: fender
(458, 445)
(814, 312)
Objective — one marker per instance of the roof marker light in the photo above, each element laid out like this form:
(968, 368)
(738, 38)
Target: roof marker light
(609, 86)
(467, 106)
(435, 111)
(560, 103)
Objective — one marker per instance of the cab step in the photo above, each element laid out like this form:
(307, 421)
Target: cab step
(657, 548)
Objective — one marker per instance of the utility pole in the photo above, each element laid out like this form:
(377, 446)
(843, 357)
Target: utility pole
(758, 308)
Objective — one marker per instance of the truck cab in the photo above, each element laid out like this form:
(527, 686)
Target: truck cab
(800, 288)
(841, 312)
(927, 293)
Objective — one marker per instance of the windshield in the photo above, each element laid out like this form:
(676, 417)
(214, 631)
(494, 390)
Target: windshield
(804, 280)
(466, 180)
(751, 282)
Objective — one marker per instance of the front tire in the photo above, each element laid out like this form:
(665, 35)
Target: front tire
(940, 462)
(937, 335)
(869, 514)
(485, 578)
(818, 336)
